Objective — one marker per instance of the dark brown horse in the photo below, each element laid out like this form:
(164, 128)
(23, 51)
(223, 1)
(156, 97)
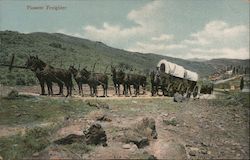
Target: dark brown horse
(94, 80)
(118, 79)
(134, 80)
(143, 82)
(155, 82)
(37, 72)
(49, 74)
(79, 78)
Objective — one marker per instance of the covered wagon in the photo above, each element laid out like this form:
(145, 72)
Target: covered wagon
(175, 78)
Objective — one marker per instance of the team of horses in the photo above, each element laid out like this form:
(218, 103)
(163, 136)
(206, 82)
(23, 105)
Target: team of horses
(49, 75)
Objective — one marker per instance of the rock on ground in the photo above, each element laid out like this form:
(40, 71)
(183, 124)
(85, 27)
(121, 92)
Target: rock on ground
(72, 138)
(95, 134)
(178, 98)
(142, 132)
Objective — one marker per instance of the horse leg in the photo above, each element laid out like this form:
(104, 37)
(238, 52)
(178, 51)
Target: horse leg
(48, 89)
(95, 90)
(51, 89)
(135, 90)
(91, 91)
(115, 88)
(61, 89)
(67, 87)
(152, 89)
(106, 90)
(124, 89)
(103, 86)
(79, 88)
(157, 89)
(138, 90)
(42, 88)
(118, 89)
(49, 86)
(129, 87)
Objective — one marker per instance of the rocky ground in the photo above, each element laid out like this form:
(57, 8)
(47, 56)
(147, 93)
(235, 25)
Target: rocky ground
(153, 128)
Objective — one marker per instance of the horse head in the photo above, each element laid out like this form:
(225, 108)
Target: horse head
(85, 73)
(113, 71)
(73, 70)
(34, 63)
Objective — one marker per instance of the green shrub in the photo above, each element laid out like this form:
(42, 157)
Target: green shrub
(20, 81)
(22, 146)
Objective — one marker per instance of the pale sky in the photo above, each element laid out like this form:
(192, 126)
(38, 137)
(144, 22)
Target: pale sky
(178, 28)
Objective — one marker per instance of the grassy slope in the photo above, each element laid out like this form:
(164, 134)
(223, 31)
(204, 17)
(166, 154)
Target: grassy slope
(77, 51)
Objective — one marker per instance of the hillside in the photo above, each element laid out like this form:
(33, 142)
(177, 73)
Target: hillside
(62, 50)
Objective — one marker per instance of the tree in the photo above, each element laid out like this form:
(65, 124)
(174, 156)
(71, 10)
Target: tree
(233, 71)
(241, 83)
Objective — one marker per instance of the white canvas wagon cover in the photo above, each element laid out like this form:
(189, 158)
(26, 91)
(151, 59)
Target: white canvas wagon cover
(177, 70)
(192, 76)
(171, 68)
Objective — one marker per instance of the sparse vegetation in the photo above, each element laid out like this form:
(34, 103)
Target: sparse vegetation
(21, 146)
(232, 99)
(30, 109)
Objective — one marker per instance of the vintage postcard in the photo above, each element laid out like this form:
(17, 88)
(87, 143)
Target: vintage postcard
(124, 79)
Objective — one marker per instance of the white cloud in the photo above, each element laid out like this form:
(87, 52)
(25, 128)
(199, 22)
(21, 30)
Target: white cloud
(163, 37)
(146, 16)
(217, 32)
(112, 34)
(217, 39)
(241, 53)
(146, 26)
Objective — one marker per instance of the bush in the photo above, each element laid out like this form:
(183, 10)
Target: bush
(20, 81)
(55, 45)
(12, 94)
(19, 147)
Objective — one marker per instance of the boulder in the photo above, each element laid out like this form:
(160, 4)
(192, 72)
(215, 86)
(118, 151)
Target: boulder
(95, 134)
(72, 138)
(147, 128)
(192, 153)
(178, 98)
(126, 146)
(170, 149)
(152, 157)
(103, 117)
(141, 133)
(98, 105)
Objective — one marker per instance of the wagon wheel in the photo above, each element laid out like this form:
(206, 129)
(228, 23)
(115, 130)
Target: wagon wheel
(181, 89)
(164, 91)
(188, 93)
(171, 90)
(195, 91)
